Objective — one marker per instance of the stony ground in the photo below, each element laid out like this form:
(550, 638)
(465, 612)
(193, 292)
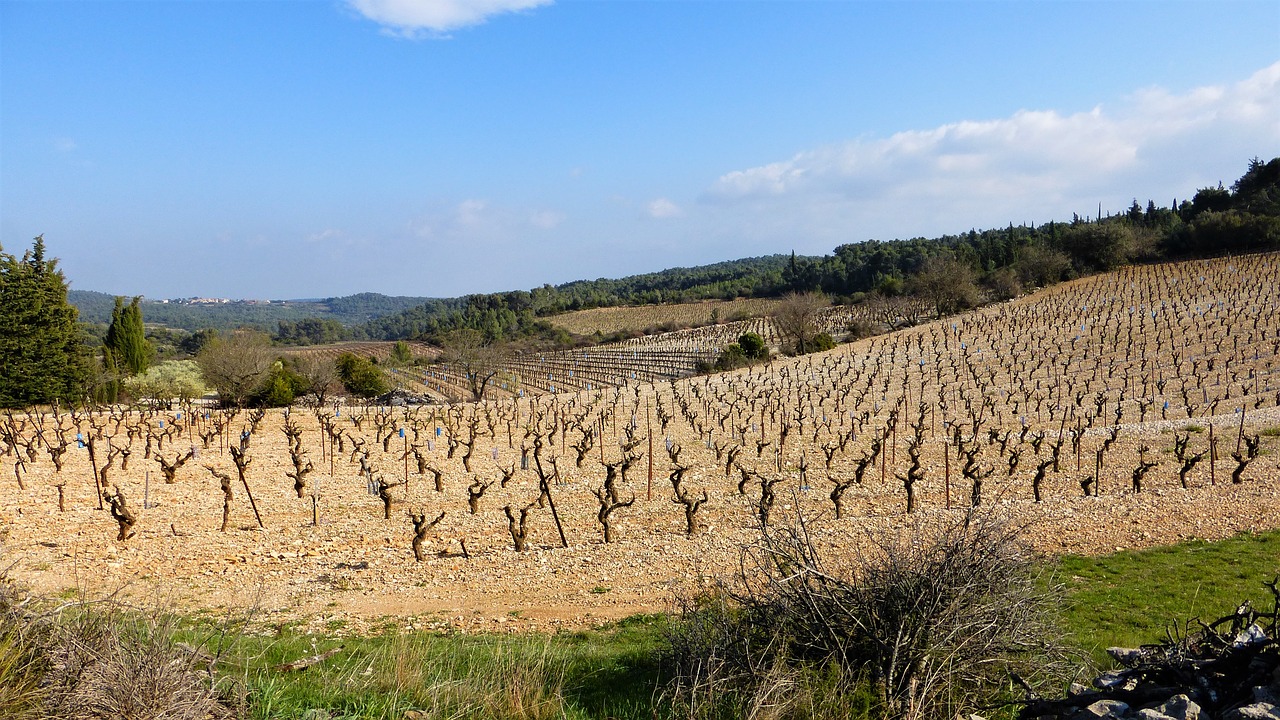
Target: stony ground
(355, 570)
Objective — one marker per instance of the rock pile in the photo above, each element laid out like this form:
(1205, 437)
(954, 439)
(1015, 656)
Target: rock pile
(1225, 670)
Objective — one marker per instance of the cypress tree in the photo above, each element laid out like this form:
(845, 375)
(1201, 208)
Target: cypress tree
(125, 346)
(110, 390)
(40, 352)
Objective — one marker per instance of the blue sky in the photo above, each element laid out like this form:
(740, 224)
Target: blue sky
(441, 147)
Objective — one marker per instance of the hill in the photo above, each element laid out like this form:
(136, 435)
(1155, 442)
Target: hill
(998, 263)
(193, 314)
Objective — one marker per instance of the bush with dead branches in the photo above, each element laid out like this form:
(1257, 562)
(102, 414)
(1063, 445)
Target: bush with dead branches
(935, 619)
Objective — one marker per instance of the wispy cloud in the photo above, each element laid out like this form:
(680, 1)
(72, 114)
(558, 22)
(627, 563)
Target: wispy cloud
(436, 18)
(1035, 164)
(663, 208)
(65, 145)
(324, 235)
(478, 221)
(546, 219)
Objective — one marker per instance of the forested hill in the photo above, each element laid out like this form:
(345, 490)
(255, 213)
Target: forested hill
(382, 316)
(996, 263)
(95, 307)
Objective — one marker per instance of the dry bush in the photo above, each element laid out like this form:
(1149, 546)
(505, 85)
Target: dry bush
(934, 620)
(80, 660)
(109, 663)
(21, 661)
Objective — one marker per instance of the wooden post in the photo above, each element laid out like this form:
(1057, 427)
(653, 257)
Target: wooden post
(946, 464)
(252, 504)
(93, 463)
(648, 420)
(1097, 476)
(1213, 456)
(546, 489)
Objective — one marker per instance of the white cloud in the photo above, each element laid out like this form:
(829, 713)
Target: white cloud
(1033, 165)
(546, 219)
(471, 213)
(477, 222)
(323, 235)
(663, 208)
(65, 144)
(418, 18)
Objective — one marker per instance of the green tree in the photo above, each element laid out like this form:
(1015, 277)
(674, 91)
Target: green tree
(125, 346)
(753, 346)
(401, 355)
(41, 357)
(361, 377)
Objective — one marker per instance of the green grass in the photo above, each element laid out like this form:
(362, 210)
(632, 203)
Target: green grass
(1131, 598)
(592, 674)
(1126, 599)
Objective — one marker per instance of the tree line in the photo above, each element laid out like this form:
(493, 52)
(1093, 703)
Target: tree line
(1002, 261)
(47, 356)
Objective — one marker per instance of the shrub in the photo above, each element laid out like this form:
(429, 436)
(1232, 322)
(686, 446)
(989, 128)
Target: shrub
(361, 377)
(282, 385)
(859, 329)
(933, 619)
(753, 346)
(731, 357)
(823, 341)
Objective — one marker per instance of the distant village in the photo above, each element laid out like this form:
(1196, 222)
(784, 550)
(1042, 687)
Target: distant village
(219, 301)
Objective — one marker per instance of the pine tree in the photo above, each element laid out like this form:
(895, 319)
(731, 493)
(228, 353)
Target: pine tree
(40, 351)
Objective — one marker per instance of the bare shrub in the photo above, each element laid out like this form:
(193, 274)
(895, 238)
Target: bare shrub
(109, 664)
(96, 661)
(935, 618)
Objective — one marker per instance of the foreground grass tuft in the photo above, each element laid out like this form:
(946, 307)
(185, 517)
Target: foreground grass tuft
(605, 673)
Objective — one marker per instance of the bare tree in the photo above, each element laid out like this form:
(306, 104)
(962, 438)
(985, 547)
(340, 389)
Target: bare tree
(945, 283)
(796, 319)
(321, 375)
(478, 360)
(235, 364)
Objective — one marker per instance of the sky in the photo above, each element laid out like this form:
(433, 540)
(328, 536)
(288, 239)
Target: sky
(319, 148)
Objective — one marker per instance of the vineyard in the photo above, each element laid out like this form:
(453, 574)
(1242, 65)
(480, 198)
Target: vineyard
(1121, 410)
(370, 349)
(665, 356)
(609, 320)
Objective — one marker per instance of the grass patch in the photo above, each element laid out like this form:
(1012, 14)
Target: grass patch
(592, 674)
(1126, 599)
(1136, 597)
(1273, 431)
